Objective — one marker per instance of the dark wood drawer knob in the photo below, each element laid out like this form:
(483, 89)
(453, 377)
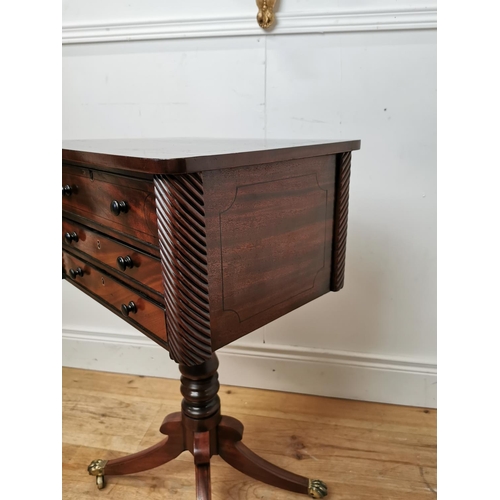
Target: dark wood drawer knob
(66, 190)
(129, 308)
(124, 262)
(75, 272)
(118, 207)
(70, 237)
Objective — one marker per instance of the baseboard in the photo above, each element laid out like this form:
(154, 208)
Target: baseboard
(321, 372)
(292, 23)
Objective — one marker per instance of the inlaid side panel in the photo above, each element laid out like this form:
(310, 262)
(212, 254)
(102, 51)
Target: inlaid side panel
(340, 226)
(269, 239)
(286, 221)
(181, 230)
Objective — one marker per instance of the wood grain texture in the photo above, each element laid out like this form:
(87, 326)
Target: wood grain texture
(363, 451)
(256, 231)
(147, 157)
(182, 237)
(202, 454)
(93, 191)
(340, 221)
(146, 269)
(152, 457)
(265, 221)
(269, 239)
(102, 227)
(203, 482)
(114, 293)
(239, 456)
(199, 388)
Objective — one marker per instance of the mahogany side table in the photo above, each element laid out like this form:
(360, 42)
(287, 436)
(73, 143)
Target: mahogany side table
(196, 243)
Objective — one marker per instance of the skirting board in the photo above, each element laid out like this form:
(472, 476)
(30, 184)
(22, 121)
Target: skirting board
(282, 368)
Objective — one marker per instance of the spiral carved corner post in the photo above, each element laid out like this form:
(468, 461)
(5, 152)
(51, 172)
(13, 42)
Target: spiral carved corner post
(342, 179)
(181, 231)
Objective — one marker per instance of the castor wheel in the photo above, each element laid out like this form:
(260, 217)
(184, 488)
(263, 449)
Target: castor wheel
(96, 468)
(317, 488)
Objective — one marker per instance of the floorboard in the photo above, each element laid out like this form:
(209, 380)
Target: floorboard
(363, 451)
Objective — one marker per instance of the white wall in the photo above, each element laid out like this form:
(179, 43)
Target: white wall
(330, 70)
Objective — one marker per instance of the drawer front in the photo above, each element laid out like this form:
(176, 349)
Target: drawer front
(91, 194)
(115, 294)
(145, 269)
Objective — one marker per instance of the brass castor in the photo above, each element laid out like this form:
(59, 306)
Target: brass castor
(96, 468)
(317, 488)
(99, 481)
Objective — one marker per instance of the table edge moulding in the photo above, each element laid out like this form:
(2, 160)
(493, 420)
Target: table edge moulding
(196, 243)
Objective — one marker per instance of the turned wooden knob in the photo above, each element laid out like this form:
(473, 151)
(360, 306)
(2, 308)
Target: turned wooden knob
(129, 308)
(76, 272)
(124, 262)
(118, 207)
(70, 237)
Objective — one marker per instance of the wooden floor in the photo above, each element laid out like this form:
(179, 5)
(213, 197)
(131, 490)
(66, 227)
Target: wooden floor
(361, 450)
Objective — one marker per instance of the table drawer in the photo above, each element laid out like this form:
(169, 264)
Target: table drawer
(138, 265)
(122, 203)
(144, 312)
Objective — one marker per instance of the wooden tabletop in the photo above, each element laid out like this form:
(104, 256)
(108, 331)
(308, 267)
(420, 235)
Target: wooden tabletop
(177, 156)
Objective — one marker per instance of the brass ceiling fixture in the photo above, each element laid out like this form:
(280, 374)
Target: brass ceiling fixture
(265, 16)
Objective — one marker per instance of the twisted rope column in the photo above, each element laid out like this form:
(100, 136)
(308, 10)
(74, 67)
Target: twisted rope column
(182, 237)
(342, 179)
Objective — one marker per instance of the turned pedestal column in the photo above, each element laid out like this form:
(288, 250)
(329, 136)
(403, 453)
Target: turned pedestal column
(201, 429)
